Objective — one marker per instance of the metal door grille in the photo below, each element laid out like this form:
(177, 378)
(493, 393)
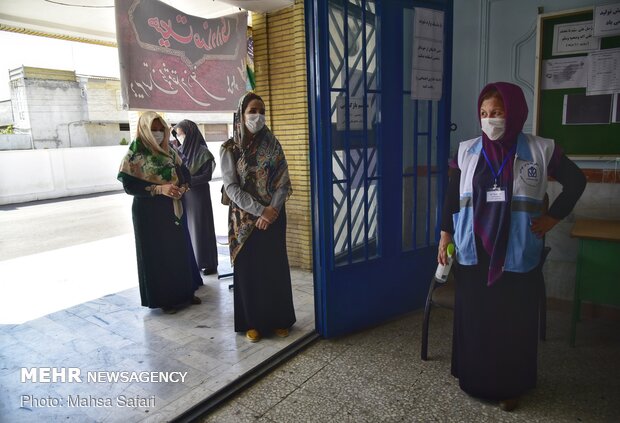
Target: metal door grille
(355, 104)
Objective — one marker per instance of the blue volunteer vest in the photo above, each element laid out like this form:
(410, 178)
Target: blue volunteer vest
(528, 190)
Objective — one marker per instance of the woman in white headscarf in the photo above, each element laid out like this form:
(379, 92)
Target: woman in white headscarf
(153, 174)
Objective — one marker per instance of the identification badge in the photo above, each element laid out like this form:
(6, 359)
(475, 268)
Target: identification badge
(496, 195)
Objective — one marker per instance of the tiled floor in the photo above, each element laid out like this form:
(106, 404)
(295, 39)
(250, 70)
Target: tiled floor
(377, 376)
(374, 376)
(115, 334)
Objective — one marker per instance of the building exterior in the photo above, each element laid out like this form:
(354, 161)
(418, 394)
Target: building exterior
(62, 109)
(6, 114)
(58, 108)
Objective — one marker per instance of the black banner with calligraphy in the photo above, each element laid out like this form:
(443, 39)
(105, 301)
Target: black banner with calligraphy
(172, 61)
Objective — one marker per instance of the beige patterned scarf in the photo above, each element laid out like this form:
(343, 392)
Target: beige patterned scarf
(262, 170)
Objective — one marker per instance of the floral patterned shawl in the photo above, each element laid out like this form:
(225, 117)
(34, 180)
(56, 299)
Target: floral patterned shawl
(262, 170)
(151, 162)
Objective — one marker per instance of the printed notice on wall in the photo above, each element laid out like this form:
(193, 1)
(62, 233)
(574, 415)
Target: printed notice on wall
(573, 38)
(607, 20)
(604, 72)
(356, 114)
(565, 73)
(427, 58)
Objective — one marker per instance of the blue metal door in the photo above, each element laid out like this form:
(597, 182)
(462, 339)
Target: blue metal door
(379, 160)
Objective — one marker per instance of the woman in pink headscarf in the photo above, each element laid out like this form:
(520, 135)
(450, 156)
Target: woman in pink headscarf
(494, 213)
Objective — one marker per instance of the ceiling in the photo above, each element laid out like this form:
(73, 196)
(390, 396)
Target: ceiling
(94, 19)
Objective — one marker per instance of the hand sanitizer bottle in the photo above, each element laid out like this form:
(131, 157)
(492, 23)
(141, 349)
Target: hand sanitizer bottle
(443, 270)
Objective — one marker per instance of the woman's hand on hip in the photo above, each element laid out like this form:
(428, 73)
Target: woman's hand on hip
(543, 224)
(442, 254)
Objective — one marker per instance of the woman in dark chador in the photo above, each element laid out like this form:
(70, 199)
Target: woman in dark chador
(200, 162)
(256, 179)
(153, 174)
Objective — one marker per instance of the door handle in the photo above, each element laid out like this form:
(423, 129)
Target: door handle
(453, 127)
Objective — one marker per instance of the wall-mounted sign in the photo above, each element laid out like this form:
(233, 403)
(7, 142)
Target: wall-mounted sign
(573, 38)
(427, 57)
(607, 20)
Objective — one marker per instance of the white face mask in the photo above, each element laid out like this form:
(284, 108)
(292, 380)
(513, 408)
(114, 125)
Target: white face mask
(159, 136)
(254, 122)
(493, 127)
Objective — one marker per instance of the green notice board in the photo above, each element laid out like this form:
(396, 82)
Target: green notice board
(599, 139)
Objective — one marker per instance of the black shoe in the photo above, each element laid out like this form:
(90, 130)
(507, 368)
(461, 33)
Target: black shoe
(209, 271)
(196, 300)
(169, 310)
(509, 404)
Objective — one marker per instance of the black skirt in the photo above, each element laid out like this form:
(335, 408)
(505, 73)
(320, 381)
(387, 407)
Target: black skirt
(201, 227)
(495, 339)
(262, 281)
(167, 273)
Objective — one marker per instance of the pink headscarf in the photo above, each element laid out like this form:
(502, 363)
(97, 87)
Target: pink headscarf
(492, 220)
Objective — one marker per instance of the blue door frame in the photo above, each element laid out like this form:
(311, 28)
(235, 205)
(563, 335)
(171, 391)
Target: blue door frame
(375, 218)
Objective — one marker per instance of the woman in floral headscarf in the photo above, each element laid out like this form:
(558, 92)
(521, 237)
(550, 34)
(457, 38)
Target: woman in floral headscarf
(200, 162)
(152, 172)
(494, 211)
(256, 179)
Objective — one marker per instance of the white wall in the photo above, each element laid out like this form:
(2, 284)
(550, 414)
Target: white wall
(101, 99)
(495, 40)
(30, 175)
(52, 105)
(15, 142)
(93, 134)
(6, 113)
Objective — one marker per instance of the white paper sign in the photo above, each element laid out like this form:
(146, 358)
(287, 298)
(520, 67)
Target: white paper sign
(565, 73)
(356, 114)
(604, 72)
(607, 20)
(426, 85)
(428, 23)
(427, 57)
(575, 37)
(428, 54)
